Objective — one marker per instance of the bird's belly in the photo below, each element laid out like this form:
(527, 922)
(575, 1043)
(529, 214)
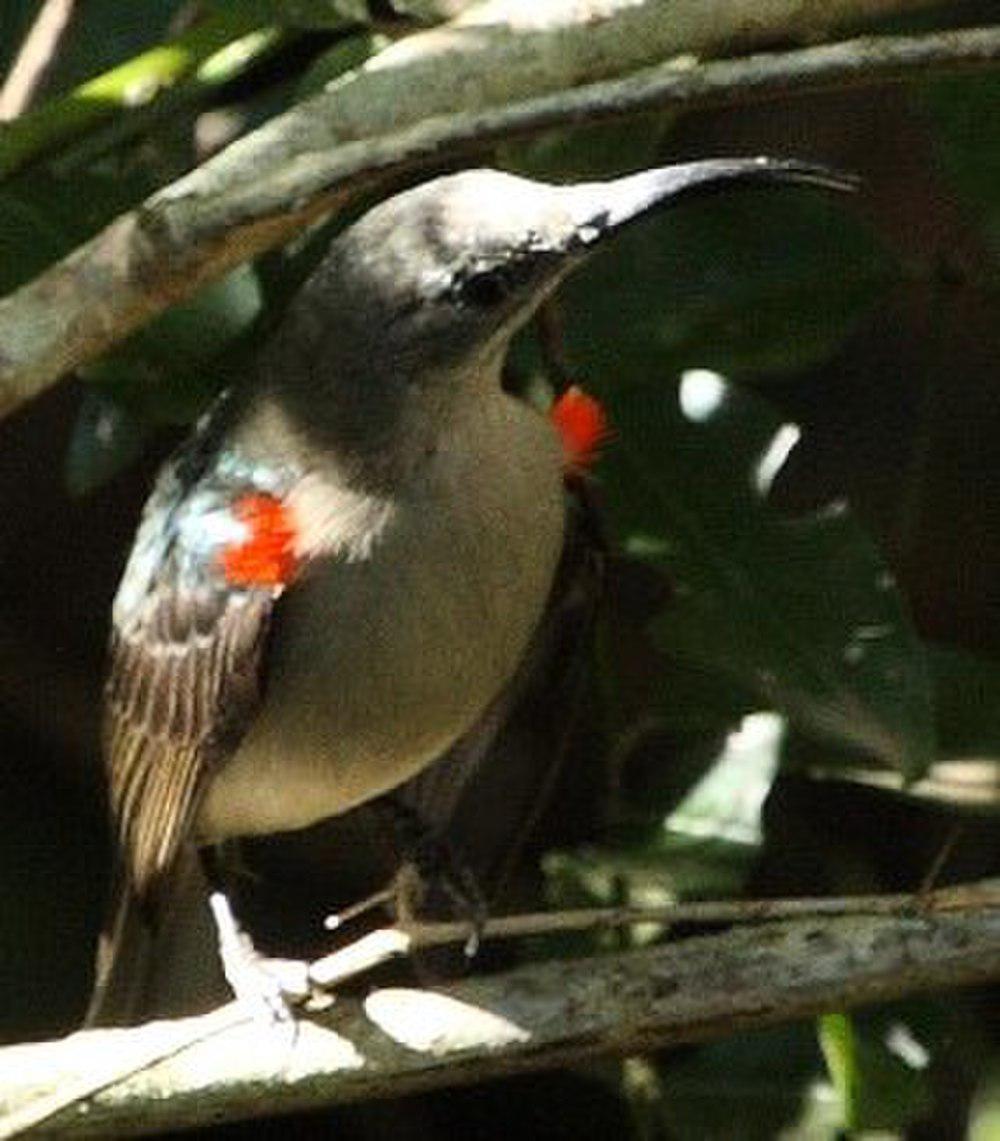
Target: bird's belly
(377, 667)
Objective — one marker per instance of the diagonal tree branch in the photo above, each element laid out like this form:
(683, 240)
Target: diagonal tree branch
(399, 1040)
(298, 167)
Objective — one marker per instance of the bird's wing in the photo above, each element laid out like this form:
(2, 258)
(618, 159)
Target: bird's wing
(190, 622)
(183, 684)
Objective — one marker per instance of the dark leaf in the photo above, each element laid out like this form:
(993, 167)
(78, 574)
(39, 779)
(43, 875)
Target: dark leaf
(801, 611)
(753, 281)
(878, 1065)
(106, 438)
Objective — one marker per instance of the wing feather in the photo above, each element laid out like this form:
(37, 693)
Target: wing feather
(185, 670)
(180, 694)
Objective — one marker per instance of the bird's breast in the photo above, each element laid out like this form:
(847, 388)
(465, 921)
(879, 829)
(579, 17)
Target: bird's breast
(379, 663)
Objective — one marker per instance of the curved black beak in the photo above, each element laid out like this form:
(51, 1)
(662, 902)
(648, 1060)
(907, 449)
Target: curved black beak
(600, 209)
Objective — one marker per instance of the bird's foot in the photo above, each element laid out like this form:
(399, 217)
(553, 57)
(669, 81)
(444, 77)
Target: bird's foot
(431, 879)
(433, 869)
(272, 988)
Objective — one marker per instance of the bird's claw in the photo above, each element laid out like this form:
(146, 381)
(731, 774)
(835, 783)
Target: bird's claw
(271, 987)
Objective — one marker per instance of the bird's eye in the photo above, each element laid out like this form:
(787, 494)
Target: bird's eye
(485, 288)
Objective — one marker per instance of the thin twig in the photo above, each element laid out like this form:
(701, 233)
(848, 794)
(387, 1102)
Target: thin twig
(964, 897)
(391, 943)
(262, 189)
(941, 857)
(36, 58)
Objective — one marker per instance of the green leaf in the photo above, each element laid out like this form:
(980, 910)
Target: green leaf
(168, 370)
(213, 47)
(751, 1087)
(171, 367)
(705, 848)
(42, 217)
(29, 239)
(966, 114)
(647, 870)
(344, 56)
(307, 14)
(801, 611)
(984, 1115)
(878, 1065)
(596, 150)
(840, 1049)
(966, 702)
(105, 32)
(753, 281)
(15, 23)
(106, 438)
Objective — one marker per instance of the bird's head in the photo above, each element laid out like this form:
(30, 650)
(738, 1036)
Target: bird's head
(419, 299)
(448, 271)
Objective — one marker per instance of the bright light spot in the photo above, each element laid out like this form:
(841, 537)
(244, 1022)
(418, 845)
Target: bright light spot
(646, 546)
(773, 459)
(104, 428)
(757, 731)
(437, 1024)
(701, 394)
(235, 54)
(873, 631)
(861, 638)
(822, 1093)
(727, 802)
(899, 1040)
(835, 509)
(140, 91)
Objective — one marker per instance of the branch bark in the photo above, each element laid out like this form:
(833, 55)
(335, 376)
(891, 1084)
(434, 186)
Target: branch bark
(399, 1040)
(509, 65)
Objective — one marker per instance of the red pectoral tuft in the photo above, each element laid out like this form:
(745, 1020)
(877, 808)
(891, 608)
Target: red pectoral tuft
(267, 556)
(583, 427)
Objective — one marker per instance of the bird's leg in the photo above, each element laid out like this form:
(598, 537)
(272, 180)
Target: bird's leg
(266, 984)
(431, 863)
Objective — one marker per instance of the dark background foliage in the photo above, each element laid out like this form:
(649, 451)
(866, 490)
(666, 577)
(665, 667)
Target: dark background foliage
(796, 677)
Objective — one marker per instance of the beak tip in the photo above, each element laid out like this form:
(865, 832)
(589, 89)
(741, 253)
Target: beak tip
(816, 174)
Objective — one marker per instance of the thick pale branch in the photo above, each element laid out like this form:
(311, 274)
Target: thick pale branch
(297, 167)
(400, 1040)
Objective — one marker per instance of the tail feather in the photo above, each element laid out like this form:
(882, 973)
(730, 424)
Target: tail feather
(162, 966)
